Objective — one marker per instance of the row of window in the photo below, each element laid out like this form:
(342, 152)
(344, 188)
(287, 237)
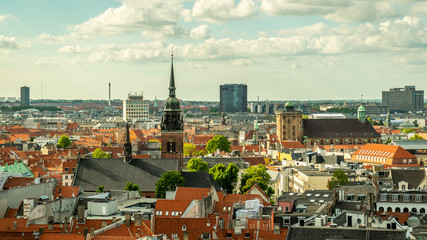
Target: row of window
(405, 198)
(172, 213)
(351, 197)
(414, 210)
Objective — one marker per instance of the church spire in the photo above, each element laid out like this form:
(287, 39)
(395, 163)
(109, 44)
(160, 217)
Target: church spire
(172, 79)
(127, 146)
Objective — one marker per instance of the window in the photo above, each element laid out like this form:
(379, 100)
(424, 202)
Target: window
(361, 197)
(159, 213)
(229, 208)
(167, 213)
(224, 209)
(350, 197)
(406, 198)
(247, 235)
(418, 198)
(184, 228)
(66, 169)
(286, 221)
(395, 198)
(383, 197)
(66, 176)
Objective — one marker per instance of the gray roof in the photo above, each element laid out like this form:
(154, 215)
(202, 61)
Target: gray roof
(338, 128)
(200, 180)
(113, 173)
(321, 233)
(411, 144)
(412, 176)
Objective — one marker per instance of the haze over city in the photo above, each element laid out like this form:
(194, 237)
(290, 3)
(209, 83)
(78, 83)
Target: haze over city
(280, 49)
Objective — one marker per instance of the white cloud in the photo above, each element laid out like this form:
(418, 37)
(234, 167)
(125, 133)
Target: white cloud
(10, 43)
(72, 49)
(3, 17)
(200, 32)
(344, 10)
(243, 62)
(55, 61)
(61, 39)
(221, 11)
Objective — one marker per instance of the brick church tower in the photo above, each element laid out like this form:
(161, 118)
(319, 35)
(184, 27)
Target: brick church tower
(172, 125)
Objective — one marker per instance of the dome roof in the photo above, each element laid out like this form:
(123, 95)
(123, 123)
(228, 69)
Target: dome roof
(289, 104)
(172, 103)
(361, 108)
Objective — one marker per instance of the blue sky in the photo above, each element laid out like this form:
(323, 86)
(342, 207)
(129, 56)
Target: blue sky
(282, 49)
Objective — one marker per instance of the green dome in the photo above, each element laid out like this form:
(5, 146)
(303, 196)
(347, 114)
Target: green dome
(172, 103)
(361, 109)
(289, 104)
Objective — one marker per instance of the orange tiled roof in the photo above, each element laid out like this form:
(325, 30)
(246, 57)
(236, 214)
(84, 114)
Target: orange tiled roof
(240, 198)
(292, 145)
(202, 139)
(381, 150)
(65, 191)
(172, 205)
(188, 193)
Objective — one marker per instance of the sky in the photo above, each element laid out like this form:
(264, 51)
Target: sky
(281, 49)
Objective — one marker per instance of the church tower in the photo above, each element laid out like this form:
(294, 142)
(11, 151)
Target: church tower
(127, 146)
(361, 112)
(172, 125)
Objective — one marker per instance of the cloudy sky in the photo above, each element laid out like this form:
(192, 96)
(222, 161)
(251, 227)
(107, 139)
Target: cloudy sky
(282, 49)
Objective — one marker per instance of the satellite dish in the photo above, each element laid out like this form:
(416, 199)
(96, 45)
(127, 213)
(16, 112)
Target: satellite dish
(358, 207)
(413, 222)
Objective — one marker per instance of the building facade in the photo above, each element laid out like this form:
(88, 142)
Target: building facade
(404, 99)
(233, 98)
(25, 96)
(135, 108)
(289, 124)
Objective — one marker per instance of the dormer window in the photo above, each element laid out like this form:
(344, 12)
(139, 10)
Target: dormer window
(184, 228)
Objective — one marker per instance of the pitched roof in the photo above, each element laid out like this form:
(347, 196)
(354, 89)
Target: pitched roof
(382, 150)
(17, 181)
(338, 128)
(113, 173)
(66, 191)
(188, 193)
(412, 176)
(172, 206)
(200, 180)
(292, 145)
(240, 198)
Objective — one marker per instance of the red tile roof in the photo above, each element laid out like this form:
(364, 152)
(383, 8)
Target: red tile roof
(66, 191)
(292, 145)
(202, 139)
(381, 150)
(253, 161)
(171, 206)
(187, 193)
(240, 198)
(12, 182)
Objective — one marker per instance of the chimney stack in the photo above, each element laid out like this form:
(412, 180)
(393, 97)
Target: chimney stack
(109, 94)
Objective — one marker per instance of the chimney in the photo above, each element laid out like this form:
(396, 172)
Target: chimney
(127, 219)
(109, 94)
(138, 219)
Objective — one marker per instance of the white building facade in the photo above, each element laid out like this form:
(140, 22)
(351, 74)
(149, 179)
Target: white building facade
(135, 108)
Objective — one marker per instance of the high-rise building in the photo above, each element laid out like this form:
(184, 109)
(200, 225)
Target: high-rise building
(135, 108)
(25, 96)
(233, 98)
(404, 99)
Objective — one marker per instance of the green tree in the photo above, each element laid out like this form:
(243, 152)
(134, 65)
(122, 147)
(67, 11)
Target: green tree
(189, 149)
(370, 120)
(225, 176)
(256, 175)
(100, 189)
(98, 153)
(168, 182)
(416, 137)
(218, 142)
(64, 141)
(406, 131)
(197, 165)
(131, 187)
(338, 178)
(200, 153)
(415, 122)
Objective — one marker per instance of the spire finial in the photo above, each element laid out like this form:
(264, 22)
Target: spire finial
(172, 53)
(361, 99)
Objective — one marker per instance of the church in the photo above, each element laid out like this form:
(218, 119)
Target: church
(114, 173)
(291, 126)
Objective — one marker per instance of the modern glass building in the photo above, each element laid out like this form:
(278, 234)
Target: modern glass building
(233, 98)
(25, 96)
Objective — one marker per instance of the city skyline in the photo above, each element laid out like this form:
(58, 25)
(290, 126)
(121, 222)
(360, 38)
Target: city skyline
(281, 49)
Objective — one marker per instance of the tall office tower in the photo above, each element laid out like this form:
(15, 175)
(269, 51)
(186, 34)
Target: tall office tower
(25, 96)
(135, 108)
(233, 98)
(404, 99)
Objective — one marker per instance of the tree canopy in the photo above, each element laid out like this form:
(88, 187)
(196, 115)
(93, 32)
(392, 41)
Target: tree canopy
(225, 176)
(338, 178)
(218, 142)
(64, 141)
(131, 187)
(168, 182)
(100, 189)
(197, 165)
(416, 137)
(256, 175)
(98, 153)
(189, 149)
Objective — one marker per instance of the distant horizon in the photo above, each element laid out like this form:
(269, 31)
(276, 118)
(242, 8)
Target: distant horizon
(280, 49)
